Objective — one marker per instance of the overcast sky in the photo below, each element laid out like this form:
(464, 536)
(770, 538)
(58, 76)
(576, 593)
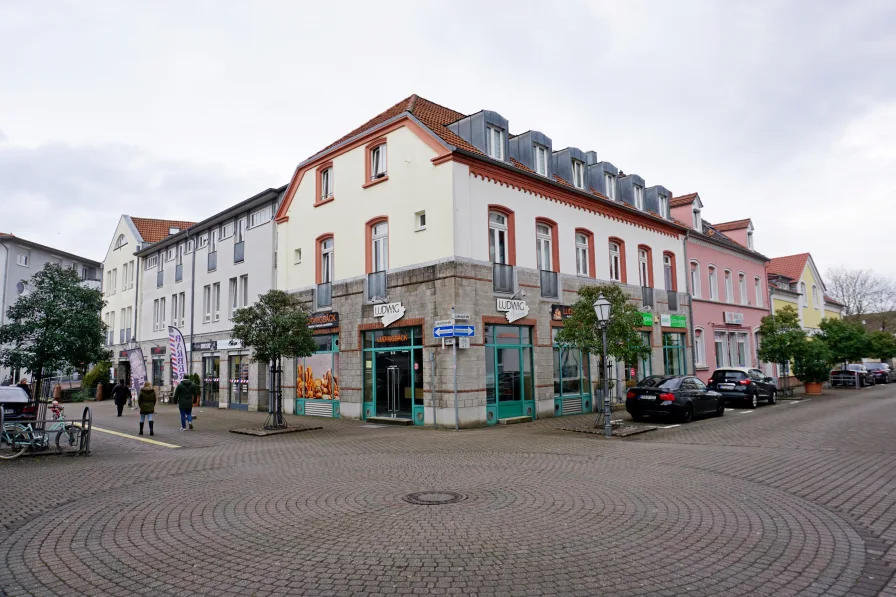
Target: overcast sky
(784, 112)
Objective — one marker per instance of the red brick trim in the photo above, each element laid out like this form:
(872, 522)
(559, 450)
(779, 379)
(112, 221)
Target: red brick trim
(529, 285)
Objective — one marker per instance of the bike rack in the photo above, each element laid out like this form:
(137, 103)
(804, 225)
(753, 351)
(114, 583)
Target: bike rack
(86, 424)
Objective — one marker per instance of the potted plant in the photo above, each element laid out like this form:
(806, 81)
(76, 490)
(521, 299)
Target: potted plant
(812, 365)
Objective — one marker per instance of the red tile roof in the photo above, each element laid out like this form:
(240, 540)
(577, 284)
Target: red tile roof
(791, 266)
(828, 299)
(682, 200)
(735, 225)
(153, 230)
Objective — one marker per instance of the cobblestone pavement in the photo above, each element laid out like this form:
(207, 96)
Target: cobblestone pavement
(793, 499)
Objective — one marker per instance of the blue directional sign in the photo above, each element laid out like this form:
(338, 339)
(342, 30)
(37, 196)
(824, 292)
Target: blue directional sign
(443, 331)
(464, 330)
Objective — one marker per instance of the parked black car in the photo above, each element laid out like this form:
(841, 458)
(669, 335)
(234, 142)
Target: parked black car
(16, 405)
(846, 376)
(679, 396)
(882, 372)
(744, 385)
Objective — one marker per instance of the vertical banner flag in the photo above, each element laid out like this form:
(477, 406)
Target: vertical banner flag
(178, 351)
(138, 369)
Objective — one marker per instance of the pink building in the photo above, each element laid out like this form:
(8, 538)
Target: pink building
(727, 280)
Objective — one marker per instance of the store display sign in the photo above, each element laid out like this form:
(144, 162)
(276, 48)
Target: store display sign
(734, 318)
(317, 377)
(157, 350)
(561, 312)
(647, 319)
(394, 339)
(512, 309)
(208, 345)
(323, 320)
(389, 313)
(232, 344)
(674, 321)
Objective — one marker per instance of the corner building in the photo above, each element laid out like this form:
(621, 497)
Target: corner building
(423, 209)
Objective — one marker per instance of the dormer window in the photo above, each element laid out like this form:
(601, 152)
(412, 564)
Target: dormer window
(541, 160)
(662, 205)
(173, 230)
(578, 174)
(610, 186)
(639, 197)
(378, 162)
(698, 221)
(494, 142)
(750, 240)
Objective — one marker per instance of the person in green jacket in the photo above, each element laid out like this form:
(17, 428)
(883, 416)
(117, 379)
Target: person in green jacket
(147, 403)
(183, 394)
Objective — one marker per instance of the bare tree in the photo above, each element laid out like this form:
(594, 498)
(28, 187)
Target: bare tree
(861, 290)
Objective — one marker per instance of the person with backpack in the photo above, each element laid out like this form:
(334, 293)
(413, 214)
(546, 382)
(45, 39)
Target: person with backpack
(183, 395)
(120, 394)
(147, 402)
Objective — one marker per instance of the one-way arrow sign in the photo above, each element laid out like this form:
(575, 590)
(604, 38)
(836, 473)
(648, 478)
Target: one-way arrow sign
(464, 330)
(446, 331)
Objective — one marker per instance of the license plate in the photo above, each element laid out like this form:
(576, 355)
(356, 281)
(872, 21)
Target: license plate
(8, 411)
(643, 397)
(726, 386)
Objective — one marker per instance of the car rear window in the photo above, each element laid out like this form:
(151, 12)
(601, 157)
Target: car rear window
(660, 382)
(728, 376)
(875, 366)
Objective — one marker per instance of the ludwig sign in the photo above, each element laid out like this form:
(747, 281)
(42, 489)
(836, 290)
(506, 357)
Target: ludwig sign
(513, 309)
(734, 318)
(389, 313)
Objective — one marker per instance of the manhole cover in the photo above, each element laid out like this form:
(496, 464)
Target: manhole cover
(433, 498)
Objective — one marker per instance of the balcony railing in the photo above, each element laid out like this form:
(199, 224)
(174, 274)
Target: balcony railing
(325, 295)
(550, 286)
(179, 272)
(376, 285)
(239, 252)
(502, 277)
(212, 261)
(160, 278)
(673, 300)
(647, 296)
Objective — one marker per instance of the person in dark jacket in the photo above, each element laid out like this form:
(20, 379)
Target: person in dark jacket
(23, 383)
(120, 394)
(183, 394)
(147, 403)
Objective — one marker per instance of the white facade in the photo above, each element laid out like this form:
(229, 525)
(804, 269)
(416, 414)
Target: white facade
(120, 272)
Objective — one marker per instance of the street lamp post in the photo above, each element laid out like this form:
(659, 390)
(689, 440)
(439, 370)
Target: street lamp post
(603, 311)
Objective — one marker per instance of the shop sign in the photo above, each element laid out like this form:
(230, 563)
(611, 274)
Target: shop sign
(647, 319)
(734, 318)
(394, 339)
(207, 345)
(323, 320)
(232, 344)
(389, 313)
(673, 321)
(561, 312)
(157, 350)
(513, 309)
(123, 353)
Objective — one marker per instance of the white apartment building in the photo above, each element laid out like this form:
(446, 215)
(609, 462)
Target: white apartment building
(122, 280)
(195, 280)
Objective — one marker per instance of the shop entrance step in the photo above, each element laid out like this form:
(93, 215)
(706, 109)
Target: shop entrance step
(390, 421)
(514, 420)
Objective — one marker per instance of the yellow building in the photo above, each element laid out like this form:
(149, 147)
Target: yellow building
(794, 280)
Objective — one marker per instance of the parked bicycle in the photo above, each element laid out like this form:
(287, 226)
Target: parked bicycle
(17, 437)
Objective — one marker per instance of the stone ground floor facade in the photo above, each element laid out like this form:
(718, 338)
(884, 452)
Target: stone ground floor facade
(364, 369)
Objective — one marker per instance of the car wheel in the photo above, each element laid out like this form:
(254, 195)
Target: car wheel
(637, 416)
(720, 409)
(753, 401)
(773, 399)
(687, 415)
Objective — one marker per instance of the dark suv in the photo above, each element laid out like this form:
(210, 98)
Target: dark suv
(882, 372)
(744, 385)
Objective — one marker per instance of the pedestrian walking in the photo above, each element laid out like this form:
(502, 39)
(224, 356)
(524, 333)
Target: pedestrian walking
(147, 402)
(183, 394)
(120, 393)
(23, 383)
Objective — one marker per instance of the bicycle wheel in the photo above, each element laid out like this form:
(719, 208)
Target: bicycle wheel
(14, 440)
(68, 437)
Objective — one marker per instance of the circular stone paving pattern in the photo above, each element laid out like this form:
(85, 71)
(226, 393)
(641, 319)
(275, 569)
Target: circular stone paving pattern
(516, 524)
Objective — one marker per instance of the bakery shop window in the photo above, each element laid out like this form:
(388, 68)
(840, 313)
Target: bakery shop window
(317, 376)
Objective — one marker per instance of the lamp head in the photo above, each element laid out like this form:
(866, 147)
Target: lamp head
(602, 309)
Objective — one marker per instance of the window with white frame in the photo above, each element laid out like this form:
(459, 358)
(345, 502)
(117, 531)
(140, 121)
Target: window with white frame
(378, 162)
(578, 174)
(124, 276)
(264, 215)
(615, 263)
(663, 205)
(23, 258)
(170, 253)
(698, 220)
(729, 287)
(742, 287)
(804, 296)
(203, 241)
(610, 185)
(713, 283)
(420, 220)
(639, 197)
(111, 327)
(541, 160)
(297, 256)
(741, 354)
(213, 243)
(216, 300)
(175, 308)
(699, 347)
(114, 283)
(497, 238)
(757, 287)
(379, 249)
(234, 297)
(240, 230)
(815, 301)
(244, 291)
(750, 239)
(207, 303)
(643, 268)
(127, 324)
(667, 272)
(162, 314)
(120, 241)
(543, 247)
(190, 245)
(721, 344)
(183, 307)
(695, 280)
(494, 142)
(152, 262)
(326, 183)
(227, 230)
(326, 261)
(155, 315)
(582, 255)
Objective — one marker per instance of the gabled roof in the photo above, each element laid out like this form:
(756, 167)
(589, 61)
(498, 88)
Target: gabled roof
(682, 200)
(791, 266)
(735, 225)
(711, 232)
(828, 299)
(153, 230)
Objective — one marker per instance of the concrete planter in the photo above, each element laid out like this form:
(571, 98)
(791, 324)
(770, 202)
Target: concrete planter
(813, 388)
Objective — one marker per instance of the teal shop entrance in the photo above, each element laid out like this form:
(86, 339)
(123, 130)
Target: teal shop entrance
(393, 374)
(510, 385)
